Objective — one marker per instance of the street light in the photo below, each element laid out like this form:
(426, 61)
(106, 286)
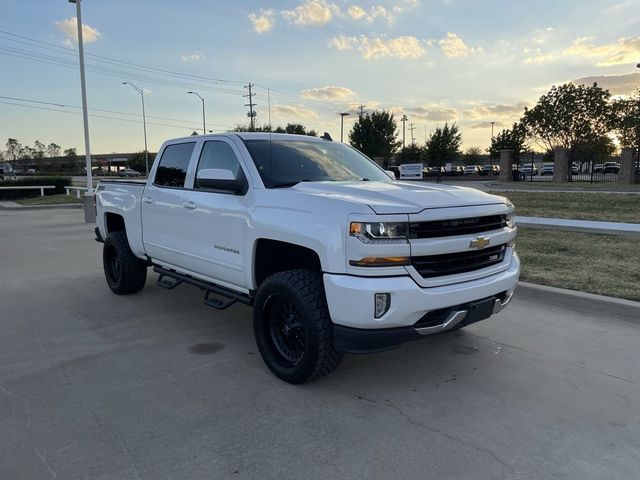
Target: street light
(144, 123)
(204, 126)
(342, 115)
(89, 212)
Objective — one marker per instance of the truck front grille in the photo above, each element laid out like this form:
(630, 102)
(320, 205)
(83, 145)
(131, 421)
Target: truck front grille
(431, 266)
(456, 226)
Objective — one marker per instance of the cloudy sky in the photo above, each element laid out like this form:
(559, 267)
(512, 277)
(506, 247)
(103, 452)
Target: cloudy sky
(461, 61)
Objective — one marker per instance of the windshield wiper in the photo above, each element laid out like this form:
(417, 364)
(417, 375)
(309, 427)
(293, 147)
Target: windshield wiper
(288, 184)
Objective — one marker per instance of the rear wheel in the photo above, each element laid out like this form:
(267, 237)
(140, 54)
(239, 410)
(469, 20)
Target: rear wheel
(292, 326)
(125, 273)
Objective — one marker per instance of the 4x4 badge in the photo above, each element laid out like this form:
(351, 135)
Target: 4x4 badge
(479, 242)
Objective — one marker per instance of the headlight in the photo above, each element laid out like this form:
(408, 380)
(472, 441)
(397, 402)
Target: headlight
(511, 219)
(379, 232)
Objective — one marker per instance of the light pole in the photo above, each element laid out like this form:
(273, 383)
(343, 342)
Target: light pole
(342, 115)
(204, 124)
(144, 123)
(403, 119)
(89, 211)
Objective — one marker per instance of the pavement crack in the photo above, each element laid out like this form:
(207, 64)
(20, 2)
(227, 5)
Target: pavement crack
(46, 464)
(447, 435)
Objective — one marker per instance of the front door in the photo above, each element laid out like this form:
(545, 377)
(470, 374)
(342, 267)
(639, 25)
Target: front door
(214, 222)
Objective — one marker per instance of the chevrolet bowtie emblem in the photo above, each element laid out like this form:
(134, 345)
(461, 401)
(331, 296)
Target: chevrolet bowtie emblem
(479, 242)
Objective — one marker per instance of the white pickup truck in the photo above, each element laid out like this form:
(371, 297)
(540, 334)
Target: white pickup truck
(333, 255)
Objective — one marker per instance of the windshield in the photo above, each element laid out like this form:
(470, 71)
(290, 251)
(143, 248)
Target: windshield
(283, 163)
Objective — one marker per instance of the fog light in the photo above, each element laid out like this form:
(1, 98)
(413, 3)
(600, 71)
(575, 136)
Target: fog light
(382, 303)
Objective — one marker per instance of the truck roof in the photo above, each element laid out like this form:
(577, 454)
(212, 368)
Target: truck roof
(252, 136)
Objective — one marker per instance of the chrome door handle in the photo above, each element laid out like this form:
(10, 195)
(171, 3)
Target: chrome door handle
(147, 199)
(189, 206)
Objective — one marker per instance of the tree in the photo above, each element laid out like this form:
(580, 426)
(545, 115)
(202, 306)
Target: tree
(137, 161)
(14, 147)
(473, 156)
(53, 150)
(443, 146)
(70, 152)
(292, 128)
(413, 153)
(374, 134)
(626, 121)
(568, 116)
(510, 139)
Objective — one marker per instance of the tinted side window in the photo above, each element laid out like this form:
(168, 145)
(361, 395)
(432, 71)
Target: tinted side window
(172, 169)
(219, 155)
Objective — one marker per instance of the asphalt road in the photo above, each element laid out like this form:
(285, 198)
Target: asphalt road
(159, 386)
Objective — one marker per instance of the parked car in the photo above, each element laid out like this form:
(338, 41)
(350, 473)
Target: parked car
(528, 169)
(611, 167)
(395, 169)
(546, 170)
(128, 172)
(332, 254)
(472, 170)
(598, 168)
(456, 172)
(575, 169)
(490, 170)
(433, 171)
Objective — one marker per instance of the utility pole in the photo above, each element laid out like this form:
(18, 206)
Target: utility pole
(89, 211)
(412, 127)
(252, 113)
(361, 108)
(342, 115)
(403, 120)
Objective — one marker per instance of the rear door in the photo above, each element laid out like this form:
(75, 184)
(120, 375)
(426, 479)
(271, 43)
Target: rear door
(214, 222)
(162, 204)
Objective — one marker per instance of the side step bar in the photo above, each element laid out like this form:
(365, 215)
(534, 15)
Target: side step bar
(215, 296)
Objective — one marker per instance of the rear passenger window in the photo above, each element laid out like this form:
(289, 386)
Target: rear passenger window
(172, 169)
(220, 156)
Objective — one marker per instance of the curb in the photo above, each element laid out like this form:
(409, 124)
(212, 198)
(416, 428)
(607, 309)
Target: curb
(588, 302)
(43, 207)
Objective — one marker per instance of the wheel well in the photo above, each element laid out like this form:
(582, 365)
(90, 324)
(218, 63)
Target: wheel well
(114, 223)
(272, 256)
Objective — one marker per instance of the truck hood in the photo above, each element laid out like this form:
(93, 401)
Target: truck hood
(399, 197)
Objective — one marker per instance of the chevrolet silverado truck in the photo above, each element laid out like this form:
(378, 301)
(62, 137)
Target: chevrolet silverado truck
(333, 254)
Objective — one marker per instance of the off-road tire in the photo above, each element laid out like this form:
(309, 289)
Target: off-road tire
(125, 273)
(304, 290)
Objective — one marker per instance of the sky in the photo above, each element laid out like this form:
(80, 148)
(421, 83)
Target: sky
(436, 61)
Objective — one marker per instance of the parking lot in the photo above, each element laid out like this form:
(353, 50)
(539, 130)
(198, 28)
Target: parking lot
(159, 386)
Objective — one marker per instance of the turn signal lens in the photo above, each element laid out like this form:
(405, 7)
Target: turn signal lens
(380, 262)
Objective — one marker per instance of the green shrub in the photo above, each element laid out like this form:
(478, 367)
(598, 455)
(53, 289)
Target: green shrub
(58, 182)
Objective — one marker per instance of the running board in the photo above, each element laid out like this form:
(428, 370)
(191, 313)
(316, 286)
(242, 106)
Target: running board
(215, 296)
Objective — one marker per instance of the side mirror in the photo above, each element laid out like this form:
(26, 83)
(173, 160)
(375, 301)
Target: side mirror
(221, 180)
(391, 174)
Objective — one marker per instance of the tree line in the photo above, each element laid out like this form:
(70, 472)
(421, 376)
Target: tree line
(586, 120)
(39, 153)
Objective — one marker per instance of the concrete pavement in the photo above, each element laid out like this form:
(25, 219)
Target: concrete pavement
(159, 386)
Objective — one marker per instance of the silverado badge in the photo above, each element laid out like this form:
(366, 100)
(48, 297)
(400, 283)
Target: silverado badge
(479, 243)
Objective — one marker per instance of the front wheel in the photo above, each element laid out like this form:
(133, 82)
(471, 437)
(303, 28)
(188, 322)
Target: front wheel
(125, 273)
(292, 326)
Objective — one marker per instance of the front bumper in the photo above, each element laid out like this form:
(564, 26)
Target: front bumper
(351, 304)
(360, 340)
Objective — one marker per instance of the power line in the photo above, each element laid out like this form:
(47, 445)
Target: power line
(61, 105)
(182, 127)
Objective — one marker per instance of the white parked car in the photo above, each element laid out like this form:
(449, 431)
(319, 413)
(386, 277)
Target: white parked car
(333, 255)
